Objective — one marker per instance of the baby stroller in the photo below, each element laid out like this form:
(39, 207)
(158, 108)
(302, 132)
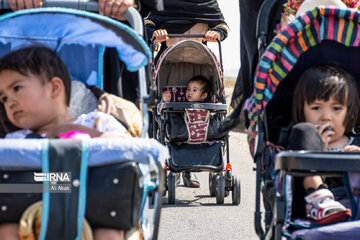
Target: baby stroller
(190, 129)
(320, 36)
(109, 180)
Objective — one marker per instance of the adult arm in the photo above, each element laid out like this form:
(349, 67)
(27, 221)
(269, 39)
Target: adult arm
(109, 8)
(222, 29)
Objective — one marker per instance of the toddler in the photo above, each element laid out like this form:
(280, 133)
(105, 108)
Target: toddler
(326, 98)
(35, 93)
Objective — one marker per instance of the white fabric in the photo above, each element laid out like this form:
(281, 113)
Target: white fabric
(105, 124)
(82, 99)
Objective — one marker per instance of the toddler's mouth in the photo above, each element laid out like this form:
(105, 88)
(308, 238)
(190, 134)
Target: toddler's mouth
(328, 128)
(16, 114)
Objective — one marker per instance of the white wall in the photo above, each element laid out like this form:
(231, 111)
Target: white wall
(231, 45)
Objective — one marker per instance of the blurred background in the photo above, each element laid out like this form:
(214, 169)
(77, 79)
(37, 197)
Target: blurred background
(231, 45)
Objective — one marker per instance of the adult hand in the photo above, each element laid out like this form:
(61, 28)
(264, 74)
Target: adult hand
(211, 36)
(287, 20)
(24, 4)
(160, 35)
(114, 8)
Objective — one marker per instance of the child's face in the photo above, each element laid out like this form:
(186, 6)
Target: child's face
(330, 112)
(195, 92)
(28, 103)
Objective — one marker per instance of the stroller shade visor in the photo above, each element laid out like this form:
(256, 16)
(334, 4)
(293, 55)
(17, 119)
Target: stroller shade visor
(79, 37)
(185, 59)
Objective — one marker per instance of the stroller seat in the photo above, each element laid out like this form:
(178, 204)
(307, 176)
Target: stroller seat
(193, 122)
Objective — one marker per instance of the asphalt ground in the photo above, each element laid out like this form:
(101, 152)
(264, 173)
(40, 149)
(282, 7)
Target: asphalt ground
(196, 216)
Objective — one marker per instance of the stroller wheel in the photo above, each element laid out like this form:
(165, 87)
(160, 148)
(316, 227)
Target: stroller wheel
(220, 190)
(212, 183)
(171, 188)
(236, 191)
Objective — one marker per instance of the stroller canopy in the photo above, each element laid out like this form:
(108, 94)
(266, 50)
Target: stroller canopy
(184, 60)
(321, 36)
(79, 37)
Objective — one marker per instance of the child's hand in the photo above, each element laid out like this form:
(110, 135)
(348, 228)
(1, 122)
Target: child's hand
(351, 148)
(160, 35)
(211, 36)
(326, 133)
(166, 96)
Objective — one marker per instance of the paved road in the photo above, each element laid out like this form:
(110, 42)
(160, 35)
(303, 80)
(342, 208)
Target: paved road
(196, 216)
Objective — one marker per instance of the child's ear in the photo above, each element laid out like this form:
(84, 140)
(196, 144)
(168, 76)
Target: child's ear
(204, 96)
(57, 87)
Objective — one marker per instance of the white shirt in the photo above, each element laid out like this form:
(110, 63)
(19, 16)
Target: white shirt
(103, 122)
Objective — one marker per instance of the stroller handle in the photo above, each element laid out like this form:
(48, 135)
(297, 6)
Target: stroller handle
(186, 36)
(131, 15)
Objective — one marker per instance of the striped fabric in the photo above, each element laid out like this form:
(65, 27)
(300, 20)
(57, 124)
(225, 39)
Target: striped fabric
(306, 31)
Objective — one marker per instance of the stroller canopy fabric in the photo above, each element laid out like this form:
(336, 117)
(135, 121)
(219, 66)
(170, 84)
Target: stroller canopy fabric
(320, 26)
(184, 60)
(74, 33)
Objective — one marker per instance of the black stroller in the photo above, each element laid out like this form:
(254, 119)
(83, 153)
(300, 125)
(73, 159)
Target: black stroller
(174, 127)
(320, 36)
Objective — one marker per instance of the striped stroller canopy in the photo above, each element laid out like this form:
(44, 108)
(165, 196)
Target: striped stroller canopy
(338, 29)
(79, 37)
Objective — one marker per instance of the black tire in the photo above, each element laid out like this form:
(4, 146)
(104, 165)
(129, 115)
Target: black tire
(171, 188)
(220, 190)
(212, 184)
(236, 192)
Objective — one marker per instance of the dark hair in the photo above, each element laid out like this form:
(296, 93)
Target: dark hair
(322, 82)
(40, 61)
(205, 82)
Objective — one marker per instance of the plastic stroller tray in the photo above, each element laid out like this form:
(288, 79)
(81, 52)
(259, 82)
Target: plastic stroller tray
(318, 161)
(195, 157)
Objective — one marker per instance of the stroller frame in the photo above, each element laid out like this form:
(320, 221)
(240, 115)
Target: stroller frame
(155, 184)
(221, 181)
(300, 163)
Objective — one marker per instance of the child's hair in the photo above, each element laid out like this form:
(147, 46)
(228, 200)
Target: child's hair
(203, 81)
(322, 82)
(40, 61)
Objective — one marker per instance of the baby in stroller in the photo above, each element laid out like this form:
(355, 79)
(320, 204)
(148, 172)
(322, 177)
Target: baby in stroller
(189, 124)
(325, 109)
(34, 91)
(327, 97)
(197, 90)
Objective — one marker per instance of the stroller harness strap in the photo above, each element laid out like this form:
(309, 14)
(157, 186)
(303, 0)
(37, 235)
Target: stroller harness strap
(197, 123)
(65, 220)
